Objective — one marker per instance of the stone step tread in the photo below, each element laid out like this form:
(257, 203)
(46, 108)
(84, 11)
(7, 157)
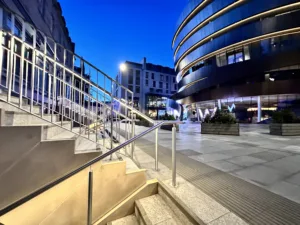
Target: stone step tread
(128, 220)
(155, 211)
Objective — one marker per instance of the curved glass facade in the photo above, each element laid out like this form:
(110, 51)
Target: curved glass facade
(217, 41)
(236, 49)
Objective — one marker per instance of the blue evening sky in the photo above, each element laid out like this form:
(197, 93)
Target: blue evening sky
(109, 32)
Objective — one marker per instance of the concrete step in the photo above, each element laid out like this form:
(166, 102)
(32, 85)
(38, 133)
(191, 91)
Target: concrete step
(8, 107)
(11, 118)
(13, 99)
(53, 130)
(82, 145)
(154, 210)
(128, 220)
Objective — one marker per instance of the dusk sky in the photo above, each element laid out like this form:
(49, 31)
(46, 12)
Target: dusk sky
(109, 32)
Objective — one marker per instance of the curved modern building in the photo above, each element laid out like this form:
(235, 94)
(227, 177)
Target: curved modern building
(242, 55)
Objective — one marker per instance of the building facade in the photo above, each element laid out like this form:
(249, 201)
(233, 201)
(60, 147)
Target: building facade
(152, 85)
(242, 56)
(41, 25)
(46, 16)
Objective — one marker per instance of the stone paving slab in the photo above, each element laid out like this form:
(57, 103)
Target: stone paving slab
(246, 160)
(295, 179)
(270, 155)
(253, 204)
(225, 166)
(261, 174)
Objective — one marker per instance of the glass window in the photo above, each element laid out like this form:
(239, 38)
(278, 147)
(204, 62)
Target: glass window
(18, 27)
(7, 20)
(147, 83)
(130, 87)
(154, 83)
(152, 75)
(147, 75)
(130, 77)
(221, 60)
(167, 86)
(161, 77)
(247, 53)
(239, 56)
(231, 58)
(137, 89)
(137, 77)
(174, 79)
(175, 86)
(160, 84)
(167, 78)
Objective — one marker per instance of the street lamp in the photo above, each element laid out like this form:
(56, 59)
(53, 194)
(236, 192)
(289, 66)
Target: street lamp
(122, 67)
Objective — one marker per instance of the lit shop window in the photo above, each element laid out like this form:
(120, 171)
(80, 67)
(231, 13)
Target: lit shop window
(234, 56)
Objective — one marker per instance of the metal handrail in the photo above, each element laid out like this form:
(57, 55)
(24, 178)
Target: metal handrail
(86, 165)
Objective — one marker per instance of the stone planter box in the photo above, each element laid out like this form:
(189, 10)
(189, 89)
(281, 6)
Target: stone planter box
(285, 129)
(220, 129)
(169, 127)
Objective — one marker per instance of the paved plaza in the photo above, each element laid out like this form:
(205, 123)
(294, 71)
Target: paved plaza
(271, 162)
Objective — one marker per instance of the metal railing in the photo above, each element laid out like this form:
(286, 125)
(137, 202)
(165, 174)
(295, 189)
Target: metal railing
(62, 84)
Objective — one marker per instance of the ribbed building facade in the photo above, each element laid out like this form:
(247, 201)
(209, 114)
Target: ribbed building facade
(242, 55)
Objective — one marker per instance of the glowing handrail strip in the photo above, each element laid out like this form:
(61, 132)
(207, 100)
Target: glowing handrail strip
(242, 43)
(184, 22)
(205, 22)
(237, 24)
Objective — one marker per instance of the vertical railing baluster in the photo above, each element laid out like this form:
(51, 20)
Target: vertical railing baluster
(26, 79)
(80, 94)
(63, 88)
(21, 75)
(73, 101)
(10, 74)
(89, 116)
(13, 63)
(1, 51)
(32, 78)
(54, 97)
(44, 75)
(132, 133)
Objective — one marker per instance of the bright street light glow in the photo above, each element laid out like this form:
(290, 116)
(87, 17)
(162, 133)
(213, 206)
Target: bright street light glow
(123, 67)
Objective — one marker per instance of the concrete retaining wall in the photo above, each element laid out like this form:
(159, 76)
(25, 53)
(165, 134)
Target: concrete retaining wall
(285, 129)
(220, 129)
(27, 164)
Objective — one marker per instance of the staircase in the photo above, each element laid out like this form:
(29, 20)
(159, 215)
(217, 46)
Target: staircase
(59, 121)
(153, 204)
(57, 112)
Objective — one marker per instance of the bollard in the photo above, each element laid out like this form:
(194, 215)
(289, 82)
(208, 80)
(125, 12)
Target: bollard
(90, 198)
(156, 149)
(174, 155)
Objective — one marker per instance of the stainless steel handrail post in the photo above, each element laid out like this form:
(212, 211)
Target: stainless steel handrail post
(111, 122)
(132, 134)
(90, 198)
(174, 155)
(156, 149)
(10, 73)
(44, 76)
(21, 75)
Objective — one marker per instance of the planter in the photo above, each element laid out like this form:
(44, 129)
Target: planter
(220, 129)
(143, 123)
(285, 129)
(169, 127)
